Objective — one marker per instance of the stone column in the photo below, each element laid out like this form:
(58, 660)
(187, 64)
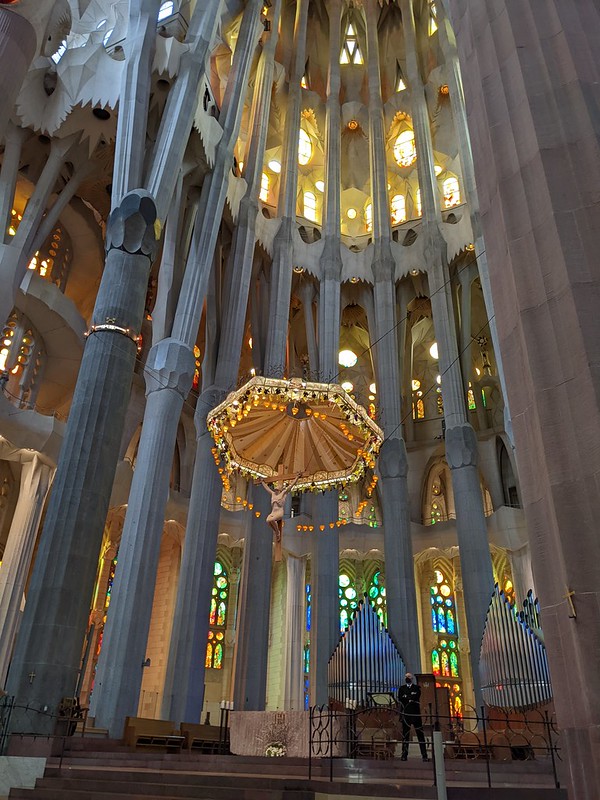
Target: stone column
(461, 442)
(307, 292)
(295, 619)
(18, 42)
(459, 115)
(36, 477)
(281, 270)
(326, 546)
(169, 372)
(9, 175)
(50, 640)
(119, 677)
(184, 688)
(393, 463)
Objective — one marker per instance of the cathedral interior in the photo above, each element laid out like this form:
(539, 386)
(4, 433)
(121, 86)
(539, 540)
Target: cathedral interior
(396, 199)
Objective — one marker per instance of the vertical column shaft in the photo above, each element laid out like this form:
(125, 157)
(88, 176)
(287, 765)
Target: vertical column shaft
(461, 442)
(35, 482)
(294, 633)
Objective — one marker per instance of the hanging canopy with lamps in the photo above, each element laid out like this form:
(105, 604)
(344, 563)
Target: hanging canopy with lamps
(272, 428)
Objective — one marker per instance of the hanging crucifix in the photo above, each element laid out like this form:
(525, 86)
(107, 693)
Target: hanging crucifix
(278, 496)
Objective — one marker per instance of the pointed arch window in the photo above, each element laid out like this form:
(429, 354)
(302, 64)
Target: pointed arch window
(351, 53)
(369, 217)
(405, 149)
(445, 662)
(264, 188)
(305, 148)
(398, 209)
(348, 599)
(217, 620)
(310, 206)
(451, 191)
(377, 598)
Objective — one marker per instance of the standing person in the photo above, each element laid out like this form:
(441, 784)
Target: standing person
(409, 697)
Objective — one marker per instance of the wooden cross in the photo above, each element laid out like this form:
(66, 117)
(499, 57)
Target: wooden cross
(569, 597)
(31, 677)
(280, 476)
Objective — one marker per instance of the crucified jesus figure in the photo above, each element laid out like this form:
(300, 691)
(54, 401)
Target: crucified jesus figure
(275, 518)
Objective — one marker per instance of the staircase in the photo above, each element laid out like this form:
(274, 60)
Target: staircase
(103, 769)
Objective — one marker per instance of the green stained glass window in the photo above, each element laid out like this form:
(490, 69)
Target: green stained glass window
(217, 618)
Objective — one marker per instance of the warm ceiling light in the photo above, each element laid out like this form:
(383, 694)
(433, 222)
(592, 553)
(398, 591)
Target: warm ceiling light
(437, 169)
(320, 185)
(347, 386)
(353, 124)
(371, 397)
(373, 388)
(414, 272)
(433, 351)
(250, 343)
(416, 384)
(478, 371)
(298, 270)
(351, 213)
(347, 358)
(354, 279)
(275, 166)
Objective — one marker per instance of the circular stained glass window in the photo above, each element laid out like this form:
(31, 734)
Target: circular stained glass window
(222, 595)
(449, 603)
(439, 599)
(452, 645)
(219, 636)
(350, 593)
(343, 602)
(214, 592)
(218, 568)
(383, 592)
(445, 590)
(373, 592)
(443, 643)
(438, 576)
(221, 582)
(344, 581)
(379, 601)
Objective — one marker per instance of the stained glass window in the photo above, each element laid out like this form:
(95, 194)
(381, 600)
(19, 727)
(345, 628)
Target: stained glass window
(348, 600)
(376, 595)
(369, 217)
(305, 148)
(217, 618)
(418, 204)
(405, 149)
(444, 656)
(264, 187)
(432, 28)
(310, 206)
(398, 209)
(451, 192)
(166, 10)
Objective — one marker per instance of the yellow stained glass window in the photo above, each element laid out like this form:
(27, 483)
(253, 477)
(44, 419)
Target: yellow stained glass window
(305, 148)
(398, 209)
(405, 149)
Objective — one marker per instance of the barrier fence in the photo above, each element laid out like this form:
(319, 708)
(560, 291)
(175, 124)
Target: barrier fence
(491, 736)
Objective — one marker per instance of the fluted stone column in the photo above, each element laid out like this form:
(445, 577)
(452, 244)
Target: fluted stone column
(184, 687)
(281, 269)
(169, 372)
(295, 625)
(184, 683)
(53, 627)
(18, 41)
(326, 544)
(461, 442)
(36, 477)
(393, 464)
(119, 677)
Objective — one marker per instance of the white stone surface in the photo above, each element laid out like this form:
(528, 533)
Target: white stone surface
(19, 772)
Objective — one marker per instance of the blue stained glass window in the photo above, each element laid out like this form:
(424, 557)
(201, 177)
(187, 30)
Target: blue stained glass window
(435, 662)
(441, 620)
(450, 621)
(454, 664)
(434, 620)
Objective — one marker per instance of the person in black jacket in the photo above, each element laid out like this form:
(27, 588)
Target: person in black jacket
(409, 697)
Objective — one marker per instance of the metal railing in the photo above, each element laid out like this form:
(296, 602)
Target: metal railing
(491, 736)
